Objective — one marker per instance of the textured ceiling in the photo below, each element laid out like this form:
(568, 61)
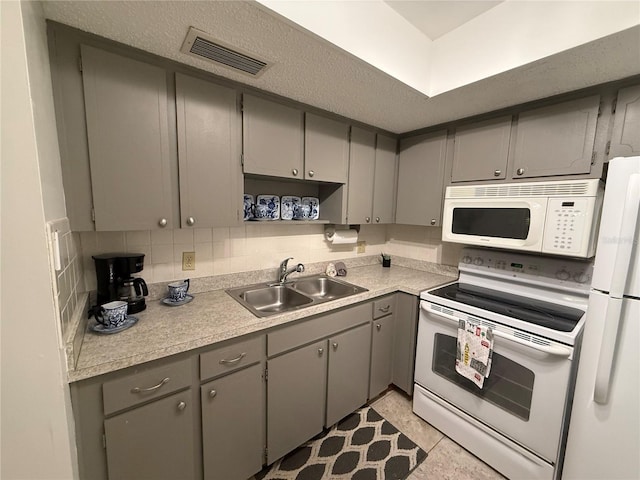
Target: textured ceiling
(312, 71)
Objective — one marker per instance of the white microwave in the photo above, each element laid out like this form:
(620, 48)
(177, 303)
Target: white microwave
(555, 217)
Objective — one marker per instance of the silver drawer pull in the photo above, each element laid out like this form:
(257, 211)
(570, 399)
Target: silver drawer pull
(212, 393)
(182, 406)
(150, 389)
(233, 361)
(335, 346)
(320, 351)
(378, 326)
(385, 309)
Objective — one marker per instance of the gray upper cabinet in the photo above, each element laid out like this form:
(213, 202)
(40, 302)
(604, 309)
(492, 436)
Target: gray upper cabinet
(348, 379)
(420, 179)
(154, 441)
(362, 159)
(385, 180)
(273, 138)
(625, 138)
(208, 123)
(326, 149)
(127, 128)
(481, 151)
(233, 425)
(556, 140)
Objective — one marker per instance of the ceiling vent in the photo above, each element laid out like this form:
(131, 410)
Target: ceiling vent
(201, 45)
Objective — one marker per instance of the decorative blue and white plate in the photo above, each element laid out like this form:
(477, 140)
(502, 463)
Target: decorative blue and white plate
(267, 207)
(287, 206)
(129, 322)
(314, 204)
(248, 203)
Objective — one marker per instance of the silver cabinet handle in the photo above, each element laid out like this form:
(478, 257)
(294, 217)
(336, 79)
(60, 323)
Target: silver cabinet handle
(385, 309)
(335, 346)
(182, 406)
(212, 393)
(433, 221)
(295, 172)
(162, 222)
(191, 221)
(311, 173)
(497, 173)
(150, 389)
(368, 219)
(520, 171)
(233, 361)
(320, 351)
(378, 326)
(377, 219)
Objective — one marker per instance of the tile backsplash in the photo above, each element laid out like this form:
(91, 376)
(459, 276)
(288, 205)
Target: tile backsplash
(255, 246)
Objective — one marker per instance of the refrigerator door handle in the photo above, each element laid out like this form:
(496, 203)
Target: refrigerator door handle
(607, 351)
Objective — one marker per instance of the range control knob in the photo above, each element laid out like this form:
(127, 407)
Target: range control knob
(563, 275)
(478, 261)
(466, 259)
(581, 277)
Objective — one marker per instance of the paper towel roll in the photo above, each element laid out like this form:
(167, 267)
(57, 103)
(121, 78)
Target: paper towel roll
(343, 237)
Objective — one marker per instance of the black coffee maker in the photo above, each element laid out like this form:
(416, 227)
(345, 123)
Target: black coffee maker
(114, 273)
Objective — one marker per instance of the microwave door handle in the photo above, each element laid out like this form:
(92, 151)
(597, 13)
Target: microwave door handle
(557, 350)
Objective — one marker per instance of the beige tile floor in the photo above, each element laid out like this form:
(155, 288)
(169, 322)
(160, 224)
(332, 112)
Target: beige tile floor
(446, 459)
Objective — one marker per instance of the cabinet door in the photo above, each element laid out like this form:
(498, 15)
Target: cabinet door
(361, 176)
(381, 355)
(153, 442)
(208, 153)
(625, 138)
(481, 151)
(385, 180)
(273, 139)
(420, 179)
(348, 380)
(127, 129)
(233, 425)
(296, 393)
(404, 341)
(326, 149)
(556, 140)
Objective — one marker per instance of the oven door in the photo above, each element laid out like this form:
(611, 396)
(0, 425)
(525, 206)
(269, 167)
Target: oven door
(524, 396)
(515, 223)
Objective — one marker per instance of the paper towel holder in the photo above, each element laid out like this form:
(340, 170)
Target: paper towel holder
(329, 230)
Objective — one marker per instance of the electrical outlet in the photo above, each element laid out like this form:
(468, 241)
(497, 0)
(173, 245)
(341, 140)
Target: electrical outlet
(188, 260)
(362, 246)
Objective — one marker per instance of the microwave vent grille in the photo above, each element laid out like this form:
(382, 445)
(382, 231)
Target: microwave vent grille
(542, 189)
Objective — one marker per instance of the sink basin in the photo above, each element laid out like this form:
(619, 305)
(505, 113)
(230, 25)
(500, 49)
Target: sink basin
(274, 299)
(266, 299)
(324, 288)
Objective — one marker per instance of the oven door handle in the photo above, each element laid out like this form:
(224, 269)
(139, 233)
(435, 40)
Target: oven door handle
(557, 350)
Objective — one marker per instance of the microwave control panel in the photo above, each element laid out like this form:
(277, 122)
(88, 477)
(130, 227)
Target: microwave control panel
(568, 226)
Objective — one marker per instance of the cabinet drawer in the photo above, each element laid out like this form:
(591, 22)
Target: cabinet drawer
(317, 328)
(145, 385)
(231, 357)
(384, 306)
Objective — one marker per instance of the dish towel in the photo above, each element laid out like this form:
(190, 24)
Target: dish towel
(474, 351)
(341, 269)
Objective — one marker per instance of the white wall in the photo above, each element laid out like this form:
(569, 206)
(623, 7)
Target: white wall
(35, 416)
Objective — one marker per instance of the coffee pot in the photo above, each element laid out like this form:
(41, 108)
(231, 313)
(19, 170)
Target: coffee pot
(115, 280)
(133, 290)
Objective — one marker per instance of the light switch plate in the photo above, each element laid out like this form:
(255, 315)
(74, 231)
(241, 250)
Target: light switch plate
(188, 260)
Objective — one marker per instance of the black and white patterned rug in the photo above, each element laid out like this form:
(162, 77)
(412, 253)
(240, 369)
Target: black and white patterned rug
(363, 446)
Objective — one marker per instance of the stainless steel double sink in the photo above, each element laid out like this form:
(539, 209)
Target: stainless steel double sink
(264, 299)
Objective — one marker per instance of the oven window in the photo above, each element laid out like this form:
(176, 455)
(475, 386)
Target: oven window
(509, 385)
(492, 222)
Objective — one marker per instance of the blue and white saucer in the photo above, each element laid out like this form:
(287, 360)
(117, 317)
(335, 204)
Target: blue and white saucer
(314, 205)
(248, 204)
(287, 206)
(173, 303)
(271, 206)
(129, 322)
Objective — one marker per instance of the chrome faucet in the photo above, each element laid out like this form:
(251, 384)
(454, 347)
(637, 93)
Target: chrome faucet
(283, 272)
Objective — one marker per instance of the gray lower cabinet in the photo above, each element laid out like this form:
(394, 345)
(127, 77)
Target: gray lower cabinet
(382, 332)
(152, 442)
(420, 179)
(404, 341)
(233, 425)
(625, 137)
(296, 394)
(348, 378)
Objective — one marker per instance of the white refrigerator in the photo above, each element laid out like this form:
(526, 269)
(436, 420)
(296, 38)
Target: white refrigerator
(604, 431)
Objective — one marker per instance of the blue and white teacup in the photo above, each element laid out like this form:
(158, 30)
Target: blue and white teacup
(178, 290)
(112, 314)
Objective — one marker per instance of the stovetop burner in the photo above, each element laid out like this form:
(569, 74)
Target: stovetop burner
(549, 315)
